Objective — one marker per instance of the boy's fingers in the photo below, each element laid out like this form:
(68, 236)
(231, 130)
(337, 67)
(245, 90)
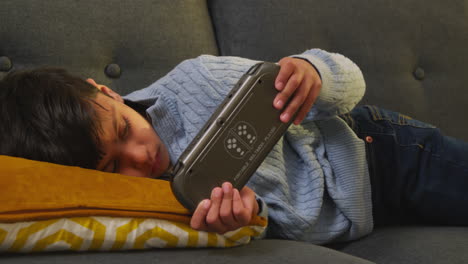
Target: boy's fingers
(300, 103)
(250, 203)
(301, 114)
(237, 205)
(91, 81)
(240, 211)
(248, 198)
(286, 70)
(226, 206)
(306, 106)
(309, 102)
(198, 219)
(212, 219)
(296, 102)
(292, 85)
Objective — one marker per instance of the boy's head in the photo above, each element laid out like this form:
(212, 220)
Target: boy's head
(49, 115)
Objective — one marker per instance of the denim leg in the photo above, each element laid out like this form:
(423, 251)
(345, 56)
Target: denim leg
(417, 174)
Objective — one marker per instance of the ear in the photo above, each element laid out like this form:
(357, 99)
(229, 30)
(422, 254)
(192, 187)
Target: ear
(106, 90)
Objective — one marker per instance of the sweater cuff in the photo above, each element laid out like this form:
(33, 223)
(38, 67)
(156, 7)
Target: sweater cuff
(304, 59)
(263, 212)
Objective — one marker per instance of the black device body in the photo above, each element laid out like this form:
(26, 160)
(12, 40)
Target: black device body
(235, 140)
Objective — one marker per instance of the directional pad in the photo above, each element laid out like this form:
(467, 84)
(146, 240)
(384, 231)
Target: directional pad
(231, 143)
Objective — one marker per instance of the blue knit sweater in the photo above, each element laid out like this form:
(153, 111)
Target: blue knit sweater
(315, 181)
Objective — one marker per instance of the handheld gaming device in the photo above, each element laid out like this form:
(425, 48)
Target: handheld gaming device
(234, 141)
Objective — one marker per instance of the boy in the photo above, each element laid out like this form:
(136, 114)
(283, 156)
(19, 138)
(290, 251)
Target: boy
(314, 185)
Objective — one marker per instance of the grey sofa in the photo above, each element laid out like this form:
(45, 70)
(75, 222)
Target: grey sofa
(412, 53)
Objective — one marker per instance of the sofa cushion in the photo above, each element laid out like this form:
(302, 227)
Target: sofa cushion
(412, 244)
(258, 252)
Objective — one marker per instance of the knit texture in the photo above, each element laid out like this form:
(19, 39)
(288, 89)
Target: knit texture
(315, 181)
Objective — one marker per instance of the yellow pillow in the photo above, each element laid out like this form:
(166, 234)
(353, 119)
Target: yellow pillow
(46, 206)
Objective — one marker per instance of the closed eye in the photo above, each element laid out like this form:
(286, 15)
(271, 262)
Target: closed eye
(122, 137)
(127, 127)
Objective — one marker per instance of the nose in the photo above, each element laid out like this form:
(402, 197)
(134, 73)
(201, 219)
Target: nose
(136, 156)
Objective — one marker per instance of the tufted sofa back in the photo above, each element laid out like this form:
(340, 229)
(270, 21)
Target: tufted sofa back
(413, 53)
(124, 44)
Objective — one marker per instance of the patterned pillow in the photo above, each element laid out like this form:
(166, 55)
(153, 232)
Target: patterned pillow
(113, 233)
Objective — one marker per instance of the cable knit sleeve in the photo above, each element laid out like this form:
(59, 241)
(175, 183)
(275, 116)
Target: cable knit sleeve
(227, 70)
(343, 84)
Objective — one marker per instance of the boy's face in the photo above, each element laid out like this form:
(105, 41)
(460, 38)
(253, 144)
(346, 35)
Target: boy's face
(130, 144)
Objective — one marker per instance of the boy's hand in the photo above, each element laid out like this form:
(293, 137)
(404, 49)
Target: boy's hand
(299, 78)
(226, 210)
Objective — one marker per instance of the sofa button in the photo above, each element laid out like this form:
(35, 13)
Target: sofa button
(113, 70)
(5, 64)
(419, 73)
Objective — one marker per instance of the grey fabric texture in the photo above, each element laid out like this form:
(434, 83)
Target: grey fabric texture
(145, 38)
(416, 245)
(389, 40)
(261, 251)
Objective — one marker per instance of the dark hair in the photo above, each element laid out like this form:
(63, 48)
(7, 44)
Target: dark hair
(47, 114)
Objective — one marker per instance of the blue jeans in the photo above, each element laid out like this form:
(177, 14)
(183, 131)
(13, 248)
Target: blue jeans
(417, 174)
